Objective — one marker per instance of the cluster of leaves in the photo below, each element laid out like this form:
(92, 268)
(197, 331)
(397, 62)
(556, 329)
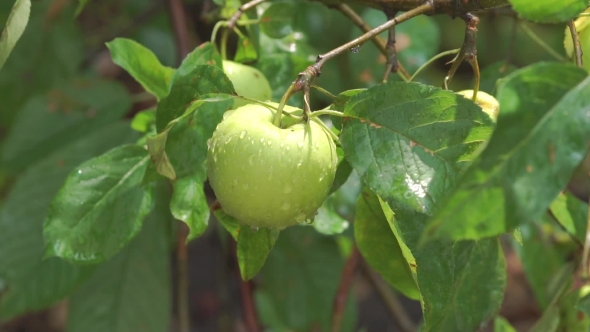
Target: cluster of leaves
(428, 180)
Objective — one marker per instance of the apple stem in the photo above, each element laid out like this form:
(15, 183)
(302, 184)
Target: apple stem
(277, 119)
(431, 60)
(576, 39)
(327, 112)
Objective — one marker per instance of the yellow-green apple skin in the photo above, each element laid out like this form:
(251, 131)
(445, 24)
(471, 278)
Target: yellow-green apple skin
(248, 82)
(487, 102)
(266, 176)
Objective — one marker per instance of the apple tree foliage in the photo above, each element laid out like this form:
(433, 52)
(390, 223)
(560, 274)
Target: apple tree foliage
(429, 188)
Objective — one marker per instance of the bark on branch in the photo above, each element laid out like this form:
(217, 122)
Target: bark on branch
(450, 7)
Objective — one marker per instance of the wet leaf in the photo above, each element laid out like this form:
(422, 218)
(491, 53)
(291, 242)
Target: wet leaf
(100, 207)
(542, 135)
(254, 245)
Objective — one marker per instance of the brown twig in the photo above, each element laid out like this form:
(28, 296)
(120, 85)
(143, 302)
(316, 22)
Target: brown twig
(450, 7)
(577, 47)
(347, 277)
(180, 27)
(400, 316)
(182, 266)
(361, 24)
(245, 7)
(249, 312)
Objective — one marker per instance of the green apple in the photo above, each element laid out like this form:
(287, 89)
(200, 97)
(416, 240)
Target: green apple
(266, 176)
(248, 82)
(487, 102)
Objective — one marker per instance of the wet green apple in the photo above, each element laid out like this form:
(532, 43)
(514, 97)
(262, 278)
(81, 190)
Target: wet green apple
(248, 82)
(266, 176)
(487, 102)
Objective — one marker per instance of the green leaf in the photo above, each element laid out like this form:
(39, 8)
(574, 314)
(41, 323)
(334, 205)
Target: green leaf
(156, 146)
(379, 246)
(246, 51)
(277, 20)
(15, 26)
(549, 11)
(408, 142)
(81, 5)
(130, 292)
(187, 89)
(228, 222)
(572, 214)
(33, 283)
(141, 64)
(502, 325)
(189, 204)
(300, 278)
(342, 171)
(49, 121)
(100, 207)
(144, 121)
(254, 245)
(538, 142)
(327, 220)
(205, 54)
(187, 149)
(540, 257)
(572, 318)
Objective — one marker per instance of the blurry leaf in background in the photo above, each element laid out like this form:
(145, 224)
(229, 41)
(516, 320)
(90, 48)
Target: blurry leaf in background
(64, 114)
(541, 256)
(33, 283)
(100, 207)
(15, 26)
(132, 291)
(299, 281)
(277, 20)
(47, 55)
(502, 325)
(492, 73)
(547, 11)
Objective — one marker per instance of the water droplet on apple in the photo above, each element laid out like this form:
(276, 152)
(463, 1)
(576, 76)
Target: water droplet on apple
(251, 159)
(215, 157)
(242, 134)
(269, 142)
(285, 206)
(208, 143)
(262, 140)
(246, 186)
(300, 145)
(309, 221)
(299, 163)
(79, 171)
(288, 147)
(254, 228)
(236, 181)
(300, 217)
(288, 188)
(282, 145)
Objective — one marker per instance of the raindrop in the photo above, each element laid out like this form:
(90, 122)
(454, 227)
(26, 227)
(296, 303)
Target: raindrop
(309, 221)
(208, 143)
(299, 163)
(246, 186)
(262, 140)
(215, 157)
(355, 49)
(254, 228)
(236, 181)
(269, 142)
(285, 206)
(288, 188)
(288, 147)
(79, 171)
(242, 134)
(300, 145)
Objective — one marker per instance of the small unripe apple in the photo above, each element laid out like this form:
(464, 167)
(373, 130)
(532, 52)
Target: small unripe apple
(248, 82)
(266, 176)
(487, 102)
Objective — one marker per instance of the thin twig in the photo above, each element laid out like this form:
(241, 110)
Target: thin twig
(540, 42)
(434, 58)
(180, 26)
(249, 312)
(247, 6)
(348, 273)
(377, 40)
(577, 47)
(182, 266)
(400, 316)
